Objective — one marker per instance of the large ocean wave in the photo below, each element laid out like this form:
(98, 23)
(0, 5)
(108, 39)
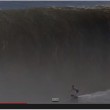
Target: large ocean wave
(44, 51)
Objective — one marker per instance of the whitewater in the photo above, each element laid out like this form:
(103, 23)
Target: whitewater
(100, 97)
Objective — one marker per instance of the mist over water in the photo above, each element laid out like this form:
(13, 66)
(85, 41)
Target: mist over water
(44, 51)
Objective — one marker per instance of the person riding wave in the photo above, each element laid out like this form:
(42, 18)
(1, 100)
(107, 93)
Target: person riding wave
(74, 92)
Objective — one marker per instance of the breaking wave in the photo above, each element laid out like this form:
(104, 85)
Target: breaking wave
(54, 48)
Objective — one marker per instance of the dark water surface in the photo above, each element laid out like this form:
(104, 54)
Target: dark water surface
(44, 51)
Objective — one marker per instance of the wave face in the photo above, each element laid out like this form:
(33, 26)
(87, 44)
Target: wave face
(44, 51)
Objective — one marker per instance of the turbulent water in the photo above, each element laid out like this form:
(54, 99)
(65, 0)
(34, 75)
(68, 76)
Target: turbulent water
(100, 97)
(44, 51)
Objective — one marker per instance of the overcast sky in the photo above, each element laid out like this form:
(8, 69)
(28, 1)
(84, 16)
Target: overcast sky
(54, 0)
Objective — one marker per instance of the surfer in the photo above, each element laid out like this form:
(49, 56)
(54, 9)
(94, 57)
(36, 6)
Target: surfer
(74, 92)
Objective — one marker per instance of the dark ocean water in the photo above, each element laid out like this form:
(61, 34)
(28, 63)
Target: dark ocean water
(30, 4)
(44, 51)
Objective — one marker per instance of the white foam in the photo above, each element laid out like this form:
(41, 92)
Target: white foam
(98, 97)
